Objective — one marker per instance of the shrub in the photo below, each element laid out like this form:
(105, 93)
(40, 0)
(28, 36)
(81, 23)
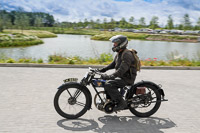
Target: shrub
(105, 57)
(10, 60)
(40, 61)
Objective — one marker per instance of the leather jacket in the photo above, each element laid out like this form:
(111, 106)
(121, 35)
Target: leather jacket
(124, 66)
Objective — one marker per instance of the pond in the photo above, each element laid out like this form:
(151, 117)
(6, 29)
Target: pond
(83, 46)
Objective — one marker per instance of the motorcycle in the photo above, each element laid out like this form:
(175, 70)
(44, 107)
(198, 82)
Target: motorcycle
(73, 99)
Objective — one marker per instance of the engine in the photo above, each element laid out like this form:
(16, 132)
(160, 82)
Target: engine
(105, 105)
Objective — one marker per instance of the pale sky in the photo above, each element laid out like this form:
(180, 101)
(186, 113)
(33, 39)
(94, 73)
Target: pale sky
(76, 10)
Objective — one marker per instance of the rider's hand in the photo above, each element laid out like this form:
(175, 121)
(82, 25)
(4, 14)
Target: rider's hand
(107, 77)
(102, 70)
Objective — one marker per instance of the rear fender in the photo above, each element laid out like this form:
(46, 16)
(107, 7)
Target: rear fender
(78, 85)
(134, 87)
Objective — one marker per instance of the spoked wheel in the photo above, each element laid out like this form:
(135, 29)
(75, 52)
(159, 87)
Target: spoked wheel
(71, 102)
(145, 105)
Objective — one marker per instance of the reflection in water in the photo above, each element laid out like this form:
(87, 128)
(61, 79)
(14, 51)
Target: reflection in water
(81, 45)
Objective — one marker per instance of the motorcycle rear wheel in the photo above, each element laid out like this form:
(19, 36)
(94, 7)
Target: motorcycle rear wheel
(151, 106)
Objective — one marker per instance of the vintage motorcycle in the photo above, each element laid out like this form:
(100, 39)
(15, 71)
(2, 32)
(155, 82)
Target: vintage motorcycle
(73, 99)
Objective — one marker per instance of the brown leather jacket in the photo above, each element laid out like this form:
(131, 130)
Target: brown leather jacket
(124, 66)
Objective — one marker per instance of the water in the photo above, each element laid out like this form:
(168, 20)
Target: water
(81, 45)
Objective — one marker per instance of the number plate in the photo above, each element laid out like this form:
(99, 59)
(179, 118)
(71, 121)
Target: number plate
(71, 80)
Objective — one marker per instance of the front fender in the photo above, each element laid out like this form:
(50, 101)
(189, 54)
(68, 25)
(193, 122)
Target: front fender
(134, 87)
(78, 85)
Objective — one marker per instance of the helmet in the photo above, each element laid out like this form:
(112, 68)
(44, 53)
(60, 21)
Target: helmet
(121, 41)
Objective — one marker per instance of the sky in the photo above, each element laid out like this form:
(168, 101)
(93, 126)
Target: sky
(78, 10)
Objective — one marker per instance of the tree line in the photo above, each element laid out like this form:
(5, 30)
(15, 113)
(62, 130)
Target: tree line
(23, 20)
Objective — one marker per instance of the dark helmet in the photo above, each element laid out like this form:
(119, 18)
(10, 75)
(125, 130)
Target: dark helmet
(121, 41)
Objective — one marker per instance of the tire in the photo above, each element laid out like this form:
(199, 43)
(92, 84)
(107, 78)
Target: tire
(69, 92)
(155, 107)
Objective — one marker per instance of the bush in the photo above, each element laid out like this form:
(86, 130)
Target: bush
(10, 60)
(26, 60)
(40, 61)
(105, 57)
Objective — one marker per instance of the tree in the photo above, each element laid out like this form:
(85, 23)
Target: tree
(5, 20)
(112, 23)
(170, 23)
(92, 23)
(1, 23)
(197, 26)
(86, 22)
(186, 22)
(98, 26)
(21, 20)
(122, 23)
(198, 22)
(49, 20)
(180, 27)
(105, 23)
(131, 22)
(154, 22)
(142, 22)
(38, 22)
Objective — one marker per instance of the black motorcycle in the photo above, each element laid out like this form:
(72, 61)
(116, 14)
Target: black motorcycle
(73, 99)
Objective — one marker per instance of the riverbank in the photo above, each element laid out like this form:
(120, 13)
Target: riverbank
(105, 35)
(38, 33)
(150, 37)
(10, 38)
(104, 59)
(93, 66)
(17, 39)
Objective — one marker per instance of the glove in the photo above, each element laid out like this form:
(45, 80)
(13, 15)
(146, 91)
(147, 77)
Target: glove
(107, 77)
(102, 70)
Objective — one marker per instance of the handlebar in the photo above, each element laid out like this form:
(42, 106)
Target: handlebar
(95, 71)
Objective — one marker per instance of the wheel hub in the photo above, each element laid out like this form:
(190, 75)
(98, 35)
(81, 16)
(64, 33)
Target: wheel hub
(72, 100)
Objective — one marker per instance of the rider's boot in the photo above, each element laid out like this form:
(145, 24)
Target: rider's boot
(121, 105)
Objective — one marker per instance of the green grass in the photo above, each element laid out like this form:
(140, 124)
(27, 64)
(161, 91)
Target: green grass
(12, 38)
(143, 36)
(18, 39)
(38, 33)
(105, 35)
(22, 60)
(178, 62)
(43, 32)
(103, 59)
(60, 59)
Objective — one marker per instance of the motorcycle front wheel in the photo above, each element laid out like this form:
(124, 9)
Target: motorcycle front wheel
(145, 105)
(71, 101)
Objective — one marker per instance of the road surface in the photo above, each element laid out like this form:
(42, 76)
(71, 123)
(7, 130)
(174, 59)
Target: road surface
(26, 104)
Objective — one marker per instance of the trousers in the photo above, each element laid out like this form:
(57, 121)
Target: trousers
(111, 88)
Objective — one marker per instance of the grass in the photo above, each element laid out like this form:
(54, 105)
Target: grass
(77, 31)
(60, 59)
(38, 33)
(22, 60)
(144, 36)
(11, 38)
(42, 32)
(175, 62)
(103, 59)
(105, 35)
(18, 39)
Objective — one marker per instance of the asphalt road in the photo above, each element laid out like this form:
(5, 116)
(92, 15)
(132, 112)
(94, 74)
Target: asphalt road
(26, 104)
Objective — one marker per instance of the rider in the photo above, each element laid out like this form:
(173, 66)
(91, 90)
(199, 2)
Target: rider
(125, 73)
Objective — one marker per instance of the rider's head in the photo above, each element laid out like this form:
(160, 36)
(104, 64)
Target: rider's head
(119, 42)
